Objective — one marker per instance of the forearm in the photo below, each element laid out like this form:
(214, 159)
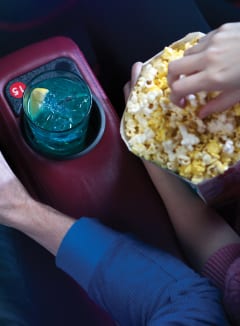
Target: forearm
(41, 223)
(18, 210)
(199, 228)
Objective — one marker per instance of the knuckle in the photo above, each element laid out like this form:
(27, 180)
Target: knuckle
(225, 27)
(212, 54)
(176, 88)
(218, 39)
(215, 78)
(171, 68)
(222, 34)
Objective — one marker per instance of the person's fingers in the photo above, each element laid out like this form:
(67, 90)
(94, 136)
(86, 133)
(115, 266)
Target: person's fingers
(184, 66)
(127, 90)
(202, 44)
(187, 85)
(136, 69)
(220, 103)
(199, 47)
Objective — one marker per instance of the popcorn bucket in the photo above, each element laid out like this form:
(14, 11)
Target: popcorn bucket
(204, 153)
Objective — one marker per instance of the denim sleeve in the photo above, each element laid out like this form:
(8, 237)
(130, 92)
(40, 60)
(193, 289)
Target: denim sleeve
(136, 283)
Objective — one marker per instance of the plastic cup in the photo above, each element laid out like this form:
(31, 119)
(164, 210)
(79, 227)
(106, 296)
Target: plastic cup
(56, 110)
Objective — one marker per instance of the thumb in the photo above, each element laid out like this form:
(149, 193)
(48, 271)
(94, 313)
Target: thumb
(136, 69)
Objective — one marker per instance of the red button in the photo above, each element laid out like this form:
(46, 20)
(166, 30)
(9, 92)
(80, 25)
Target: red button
(17, 89)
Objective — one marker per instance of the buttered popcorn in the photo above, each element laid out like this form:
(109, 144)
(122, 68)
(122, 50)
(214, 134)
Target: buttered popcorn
(175, 138)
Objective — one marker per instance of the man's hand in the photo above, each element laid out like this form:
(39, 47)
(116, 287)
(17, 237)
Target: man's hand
(13, 196)
(19, 210)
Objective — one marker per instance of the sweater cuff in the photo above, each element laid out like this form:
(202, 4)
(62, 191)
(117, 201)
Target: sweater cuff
(82, 249)
(218, 264)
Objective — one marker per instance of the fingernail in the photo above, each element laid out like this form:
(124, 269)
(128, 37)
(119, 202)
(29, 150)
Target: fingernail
(182, 103)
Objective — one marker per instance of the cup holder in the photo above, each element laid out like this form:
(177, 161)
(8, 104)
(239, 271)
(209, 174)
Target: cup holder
(96, 127)
(97, 123)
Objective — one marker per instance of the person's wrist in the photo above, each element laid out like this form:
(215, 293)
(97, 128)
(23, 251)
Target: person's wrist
(159, 173)
(19, 214)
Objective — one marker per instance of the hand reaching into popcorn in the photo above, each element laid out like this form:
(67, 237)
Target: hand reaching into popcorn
(211, 65)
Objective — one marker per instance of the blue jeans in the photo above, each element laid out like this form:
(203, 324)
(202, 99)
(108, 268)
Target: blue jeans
(16, 306)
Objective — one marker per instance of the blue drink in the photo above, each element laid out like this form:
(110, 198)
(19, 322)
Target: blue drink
(56, 113)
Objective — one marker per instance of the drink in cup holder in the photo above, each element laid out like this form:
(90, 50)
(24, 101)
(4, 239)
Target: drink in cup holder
(56, 110)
